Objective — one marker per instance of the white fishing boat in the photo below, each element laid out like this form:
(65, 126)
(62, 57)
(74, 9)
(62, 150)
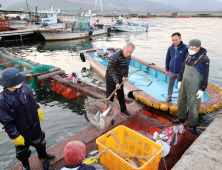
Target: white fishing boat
(49, 16)
(81, 28)
(129, 26)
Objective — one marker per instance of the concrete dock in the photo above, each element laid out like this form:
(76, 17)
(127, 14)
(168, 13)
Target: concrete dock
(206, 152)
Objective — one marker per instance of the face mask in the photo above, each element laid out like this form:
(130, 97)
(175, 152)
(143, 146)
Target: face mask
(191, 52)
(18, 86)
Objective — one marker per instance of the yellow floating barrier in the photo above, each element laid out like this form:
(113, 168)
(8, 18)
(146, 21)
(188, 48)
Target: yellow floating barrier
(210, 109)
(216, 107)
(164, 107)
(156, 105)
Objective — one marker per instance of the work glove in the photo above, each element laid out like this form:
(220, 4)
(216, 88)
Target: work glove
(199, 94)
(19, 141)
(90, 161)
(40, 114)
(178, 85)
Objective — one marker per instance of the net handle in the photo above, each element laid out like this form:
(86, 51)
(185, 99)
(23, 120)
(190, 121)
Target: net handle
(117, 89)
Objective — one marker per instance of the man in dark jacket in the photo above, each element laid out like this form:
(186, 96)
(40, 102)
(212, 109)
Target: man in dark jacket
(20, 114)
(174, 60)
(192, 83)
(117, 69)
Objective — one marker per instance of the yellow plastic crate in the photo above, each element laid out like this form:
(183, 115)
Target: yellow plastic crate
(133, 144)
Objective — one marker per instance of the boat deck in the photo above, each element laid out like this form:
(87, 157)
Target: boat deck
(152, 82)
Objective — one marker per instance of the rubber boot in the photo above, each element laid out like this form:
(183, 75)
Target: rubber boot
(26, 165)
(192, 130)
(42, 153)
(178, 121)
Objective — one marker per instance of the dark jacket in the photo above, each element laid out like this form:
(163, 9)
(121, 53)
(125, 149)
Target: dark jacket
(175, 58)
(118, 67)
(202, 66)
(18, 113)
(81, 167)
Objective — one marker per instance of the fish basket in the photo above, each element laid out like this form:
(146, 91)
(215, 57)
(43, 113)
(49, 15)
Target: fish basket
(95, 110)
(133, 144)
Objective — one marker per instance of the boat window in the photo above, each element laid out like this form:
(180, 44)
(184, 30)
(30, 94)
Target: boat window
(46, 20)
(2, 25)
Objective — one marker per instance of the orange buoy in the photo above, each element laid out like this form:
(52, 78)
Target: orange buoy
(63, 90)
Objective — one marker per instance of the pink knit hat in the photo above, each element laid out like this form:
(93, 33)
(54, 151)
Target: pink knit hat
(74, 153)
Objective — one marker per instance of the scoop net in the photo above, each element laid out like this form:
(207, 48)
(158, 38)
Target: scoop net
(101, 112)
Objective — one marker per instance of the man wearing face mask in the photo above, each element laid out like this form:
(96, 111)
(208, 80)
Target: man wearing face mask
(192, 83)
(117, 69)
(20, 115)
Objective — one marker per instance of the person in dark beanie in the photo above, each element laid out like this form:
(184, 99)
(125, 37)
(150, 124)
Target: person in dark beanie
(20, 115)
(74, 154)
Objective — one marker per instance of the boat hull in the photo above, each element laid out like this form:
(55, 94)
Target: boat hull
(53, 35)
(127, 28)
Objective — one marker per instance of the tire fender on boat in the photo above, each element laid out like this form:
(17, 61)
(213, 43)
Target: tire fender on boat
(108, 29)
(90, 33)
(82, 57)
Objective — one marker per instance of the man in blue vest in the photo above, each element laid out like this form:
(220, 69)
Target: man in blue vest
(174, 61)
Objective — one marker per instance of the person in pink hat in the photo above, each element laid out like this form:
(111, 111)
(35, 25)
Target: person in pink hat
(74, 154)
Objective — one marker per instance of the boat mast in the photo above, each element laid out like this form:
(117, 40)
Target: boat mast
(101, 5)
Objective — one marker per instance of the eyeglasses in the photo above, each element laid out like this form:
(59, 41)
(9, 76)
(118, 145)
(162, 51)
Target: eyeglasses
(192, 47)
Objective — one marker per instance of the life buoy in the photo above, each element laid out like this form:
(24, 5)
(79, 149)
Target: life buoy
(90, 33)
(82, 57)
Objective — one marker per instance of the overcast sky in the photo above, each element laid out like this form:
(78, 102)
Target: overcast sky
(7, 3)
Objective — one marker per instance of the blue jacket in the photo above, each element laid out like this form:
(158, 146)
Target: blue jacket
(18, 113)
(175, 58)
(79, 166)
(202, 66)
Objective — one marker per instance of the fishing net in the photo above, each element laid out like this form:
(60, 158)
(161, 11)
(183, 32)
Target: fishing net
(31, 68)
(146, 126)
(81, 24)
(101, 112)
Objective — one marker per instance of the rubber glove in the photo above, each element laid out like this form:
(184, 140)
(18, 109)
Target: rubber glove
(90, 161)
(199, 94)
(19, 141)
(179, 84)
(40, 114)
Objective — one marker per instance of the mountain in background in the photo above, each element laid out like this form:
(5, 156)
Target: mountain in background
(193, 4)
(135, 5)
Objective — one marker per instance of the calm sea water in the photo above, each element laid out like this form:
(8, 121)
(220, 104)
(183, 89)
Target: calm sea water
(65, 117)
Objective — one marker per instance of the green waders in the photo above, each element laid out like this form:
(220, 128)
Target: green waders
(188, 95)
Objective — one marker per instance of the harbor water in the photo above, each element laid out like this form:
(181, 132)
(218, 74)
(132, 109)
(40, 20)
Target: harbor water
(65, 117)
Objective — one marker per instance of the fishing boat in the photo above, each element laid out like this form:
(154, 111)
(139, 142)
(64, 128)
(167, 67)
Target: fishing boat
(149, 84)
(81, 28)
(129, 26)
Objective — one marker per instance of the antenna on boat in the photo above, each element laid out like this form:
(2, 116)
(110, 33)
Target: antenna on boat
(51, 8)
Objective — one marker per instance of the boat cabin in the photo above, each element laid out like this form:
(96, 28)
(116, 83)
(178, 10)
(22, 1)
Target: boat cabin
(4, 25)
